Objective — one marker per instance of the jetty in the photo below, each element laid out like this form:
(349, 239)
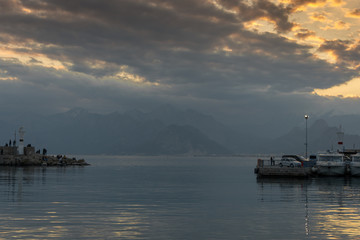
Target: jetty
(275, 168)
(284, 171)
(12, 154)
(340, 163)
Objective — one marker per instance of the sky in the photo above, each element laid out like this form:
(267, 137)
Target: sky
(255, 63)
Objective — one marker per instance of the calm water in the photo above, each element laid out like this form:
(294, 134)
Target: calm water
(173, 198)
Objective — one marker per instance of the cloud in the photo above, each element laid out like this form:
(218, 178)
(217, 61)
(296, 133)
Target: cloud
(321, 17)
(348, 90)
(305, 33)
(299, 5)
(113, 55)
(262, 9)
(355, 13)
(338, 25)
(347, 52)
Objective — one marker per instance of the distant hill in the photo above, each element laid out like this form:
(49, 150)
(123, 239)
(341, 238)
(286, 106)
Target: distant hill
(166, 130)
(81, 132)
(176, 139)
(349, 122)
(231, 138)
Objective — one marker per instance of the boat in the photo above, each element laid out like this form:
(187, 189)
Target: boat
(355, 165)
(331, 164)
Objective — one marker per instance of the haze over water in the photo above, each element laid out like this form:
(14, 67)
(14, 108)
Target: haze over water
(173, 198)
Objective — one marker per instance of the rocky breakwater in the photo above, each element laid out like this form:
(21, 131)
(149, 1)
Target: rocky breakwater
(40, 160)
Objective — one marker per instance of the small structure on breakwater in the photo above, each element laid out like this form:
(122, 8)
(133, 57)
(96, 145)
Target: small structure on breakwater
(12, 154)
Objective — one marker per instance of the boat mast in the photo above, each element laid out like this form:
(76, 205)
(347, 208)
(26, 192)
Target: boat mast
(340, 135)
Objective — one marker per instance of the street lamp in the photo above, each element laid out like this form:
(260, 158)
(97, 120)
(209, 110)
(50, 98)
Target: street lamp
(306, 142)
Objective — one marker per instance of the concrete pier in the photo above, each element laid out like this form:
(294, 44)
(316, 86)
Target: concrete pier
(284, 171)
(273, 169)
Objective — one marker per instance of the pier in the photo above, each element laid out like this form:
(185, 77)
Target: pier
(277, 171)
(271, 168)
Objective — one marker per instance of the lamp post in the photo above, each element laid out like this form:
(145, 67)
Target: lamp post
(306, 137)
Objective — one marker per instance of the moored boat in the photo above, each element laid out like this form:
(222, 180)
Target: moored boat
(355, 165)
(331, 164)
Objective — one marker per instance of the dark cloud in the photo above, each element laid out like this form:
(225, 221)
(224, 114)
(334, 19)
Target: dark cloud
(8, 6)
(355, 12)
(347, 52)
(298, 3)
(279, 14)
(161, 40)
(305, 33)
(188, 53)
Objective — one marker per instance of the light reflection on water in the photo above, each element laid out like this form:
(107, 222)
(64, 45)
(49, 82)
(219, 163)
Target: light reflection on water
(173, 198)
(331, 205)
(63, 203)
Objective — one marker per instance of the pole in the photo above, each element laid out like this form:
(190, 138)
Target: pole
(306, 135)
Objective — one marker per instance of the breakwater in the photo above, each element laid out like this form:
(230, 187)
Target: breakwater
(13, 154)
(40, 160)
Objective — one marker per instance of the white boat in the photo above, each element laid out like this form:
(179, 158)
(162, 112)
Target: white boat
(355, 165)
(331, 164)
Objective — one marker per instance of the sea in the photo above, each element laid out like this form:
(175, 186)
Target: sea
(192, 198)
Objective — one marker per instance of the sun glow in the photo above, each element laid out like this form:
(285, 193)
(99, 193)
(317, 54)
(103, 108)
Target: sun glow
(126, 74)
(26, 10)
(260, 25)
(29, 58)
(8, 78)
(350, 89)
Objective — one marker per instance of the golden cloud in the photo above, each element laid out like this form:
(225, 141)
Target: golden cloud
(126, 74)
(338, 25)
(349, 89)
(337, 2)
(320, 17)
(4, 76)
(262, 24)
(302, 5)
(354, 13)
(328, 55)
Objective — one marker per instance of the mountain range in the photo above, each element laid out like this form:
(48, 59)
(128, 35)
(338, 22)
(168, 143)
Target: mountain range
(164, 131)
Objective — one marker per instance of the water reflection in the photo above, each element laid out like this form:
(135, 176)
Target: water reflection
(76, 225)
(13, 179)
(173, 199)
(59, 203)
(331, 205)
